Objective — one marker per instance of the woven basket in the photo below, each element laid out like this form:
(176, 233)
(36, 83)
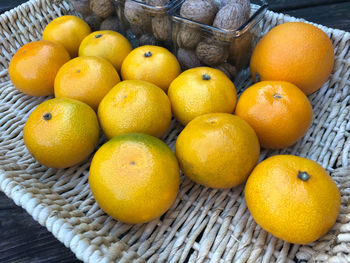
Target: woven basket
(203, 225)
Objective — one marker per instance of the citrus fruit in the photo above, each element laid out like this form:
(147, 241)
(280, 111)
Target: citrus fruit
(296, 52)
(106, 44)
(34, 67)
(67, 30)
(292, 198)
(278, 111)
(134, 177)
(151, 63)
(135, 106)
(61, 132)
(217, 150)
(199, 91)
(87, 79)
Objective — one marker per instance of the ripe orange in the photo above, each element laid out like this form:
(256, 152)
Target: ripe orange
(296, 52)
(151, 63)
(199, 91)
(292, 198)
(134, 178)
(68, 31)
(61, 133)
(106, 44)
(278, 111)
(217, 150)
(135, 106)
(34, 67)
(87, 79)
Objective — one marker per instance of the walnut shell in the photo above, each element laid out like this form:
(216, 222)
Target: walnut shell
(229, 70)
(240, 51)
(136, 15)
(102, 8)
(111, 23)
(161, 26)
(188, 37)
(94, 21)
(148, 39)
(246, 8)
(187, 59)
(82, 6)
(244, 3)
(202, 11)
(211, 52)
(229, 18)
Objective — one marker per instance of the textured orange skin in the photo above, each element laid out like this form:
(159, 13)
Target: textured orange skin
(67, 139)
(278, 122)
(161, 68)
(109, 45)
(135, 106)
(296, 52)
(87, 79)
(134, 178)
(289, 208)
(34, 67)
(217, 150)
(192, 96)
(68, 31)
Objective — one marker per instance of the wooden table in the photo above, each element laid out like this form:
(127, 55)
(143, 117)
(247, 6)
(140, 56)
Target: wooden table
(24, 240)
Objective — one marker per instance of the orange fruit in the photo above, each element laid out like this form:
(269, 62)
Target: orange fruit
(34, 67)
(278, 111)
(217, 150)
(106, 44)
(199, 91)
(292, 198)
(134, 178)
(153, 64)
(87, 79)
(296, 52)
(135, 106)
(61, 132)
(67, 30)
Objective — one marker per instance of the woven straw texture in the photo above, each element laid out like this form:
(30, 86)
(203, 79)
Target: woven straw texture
(203, 225)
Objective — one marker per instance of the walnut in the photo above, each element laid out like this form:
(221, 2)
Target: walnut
(93, 21)
(102, 8)
(161, 26)
(187, 59)
(148, 39)
(244, 3)
(188, 37)
(82, 7)
(212, 52)
(202, 11)
(229, 17)
(136, 14)
(246, 8)
(240, 50)
(111, 23)
(228, 69)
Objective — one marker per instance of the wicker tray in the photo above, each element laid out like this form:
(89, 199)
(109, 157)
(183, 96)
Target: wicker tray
(203, 225)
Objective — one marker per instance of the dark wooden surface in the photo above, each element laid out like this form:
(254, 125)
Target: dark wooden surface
(24, 240)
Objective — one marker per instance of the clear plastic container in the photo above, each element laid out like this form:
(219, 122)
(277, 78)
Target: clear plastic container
(197, 44)
(147, 22)
(158, 22)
